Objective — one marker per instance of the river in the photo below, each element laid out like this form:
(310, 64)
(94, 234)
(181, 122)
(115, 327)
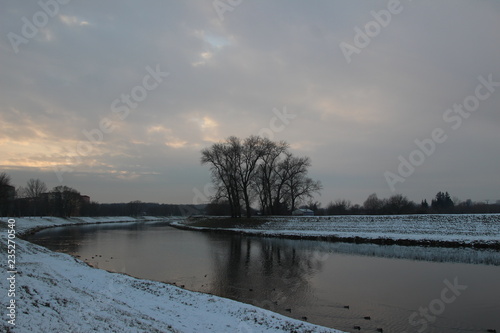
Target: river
(355, 288)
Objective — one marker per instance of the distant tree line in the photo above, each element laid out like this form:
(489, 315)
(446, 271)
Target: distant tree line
(258, 170)
(399, 204)
(139, 208)
(36, 200)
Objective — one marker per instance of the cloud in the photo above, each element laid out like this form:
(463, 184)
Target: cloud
(227, 77)
(72, 20)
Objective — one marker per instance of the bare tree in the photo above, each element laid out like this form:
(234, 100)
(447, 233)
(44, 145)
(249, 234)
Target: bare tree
(7, 194)
(250, 154)
(372, 204)
(5, 179)
(398, 204)
(223, 159)
(34, 191)
(65, 201)
(298, 186)
(258, 168)
(339, 207)
(267, 184)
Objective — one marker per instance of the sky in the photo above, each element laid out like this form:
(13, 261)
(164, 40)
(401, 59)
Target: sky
(116, 99)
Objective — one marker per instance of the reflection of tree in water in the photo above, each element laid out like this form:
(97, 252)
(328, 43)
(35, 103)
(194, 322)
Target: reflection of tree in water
(267, 272)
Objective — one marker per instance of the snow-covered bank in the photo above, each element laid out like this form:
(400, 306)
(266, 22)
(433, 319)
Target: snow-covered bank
(55, 292)
(32, 224)
(475, 230)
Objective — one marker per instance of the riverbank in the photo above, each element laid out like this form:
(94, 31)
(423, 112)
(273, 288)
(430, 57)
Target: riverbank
(55, 292)
(471, 230)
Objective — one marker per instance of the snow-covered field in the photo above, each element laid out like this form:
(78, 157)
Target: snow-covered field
(476, 229)
(55, 292)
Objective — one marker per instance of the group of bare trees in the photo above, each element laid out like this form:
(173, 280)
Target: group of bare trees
(35, 199)
(400, 204)
(257, 169)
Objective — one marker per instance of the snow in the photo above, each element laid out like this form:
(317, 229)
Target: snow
(27, 224)
(59, 293)
(56, 292)
(475, 229)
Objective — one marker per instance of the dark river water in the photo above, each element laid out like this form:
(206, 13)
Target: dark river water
(343, 286)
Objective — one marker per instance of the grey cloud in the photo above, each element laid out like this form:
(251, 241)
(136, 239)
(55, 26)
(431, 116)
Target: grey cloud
(226, 77)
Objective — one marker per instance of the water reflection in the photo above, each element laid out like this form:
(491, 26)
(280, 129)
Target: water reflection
(262, 271)
(302, 279)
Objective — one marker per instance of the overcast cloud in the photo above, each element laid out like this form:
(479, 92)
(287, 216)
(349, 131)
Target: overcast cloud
(231, 68)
